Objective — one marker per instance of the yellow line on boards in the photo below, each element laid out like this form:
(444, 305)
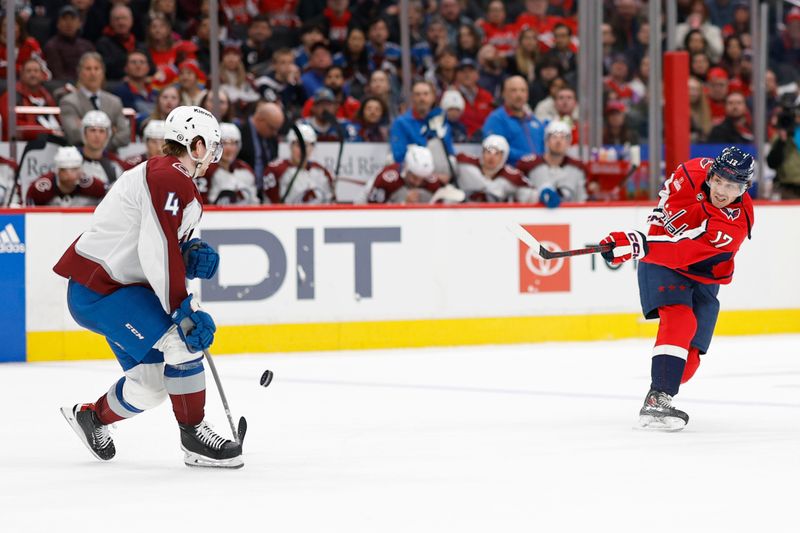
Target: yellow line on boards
(80, 345)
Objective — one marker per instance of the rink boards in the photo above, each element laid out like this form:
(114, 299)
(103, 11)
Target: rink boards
(349, 278)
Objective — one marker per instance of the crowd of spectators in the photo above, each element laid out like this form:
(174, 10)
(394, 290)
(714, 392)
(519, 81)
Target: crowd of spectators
(488, 68)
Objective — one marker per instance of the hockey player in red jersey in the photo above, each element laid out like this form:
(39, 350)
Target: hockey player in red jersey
(413, 182)
(312, 184)
(127, 281)
(703, 216)
(488, 179)
(67, 185)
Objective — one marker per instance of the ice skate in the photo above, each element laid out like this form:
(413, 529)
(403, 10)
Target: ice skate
(658, 414)
(204, 447)
(96, 436)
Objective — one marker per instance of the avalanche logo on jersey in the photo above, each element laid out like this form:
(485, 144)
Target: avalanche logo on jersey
(732, 213)
(10, 243)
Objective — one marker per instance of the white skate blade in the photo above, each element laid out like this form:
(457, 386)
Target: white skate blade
(197, 460)
(660, 423)
(67, 412)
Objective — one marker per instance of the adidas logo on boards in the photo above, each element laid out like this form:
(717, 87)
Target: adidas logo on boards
(9, 241)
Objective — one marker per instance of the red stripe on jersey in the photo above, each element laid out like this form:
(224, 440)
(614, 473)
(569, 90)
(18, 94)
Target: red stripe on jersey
(171, 190)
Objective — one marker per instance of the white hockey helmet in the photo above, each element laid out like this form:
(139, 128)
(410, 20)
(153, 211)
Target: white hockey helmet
(306, 131)
(95, 119)
(452, 99)
(558, 127)
(185, 123)
(497, 143)
(418, 161)
(68, 157)
(154, 130)
(229, 132)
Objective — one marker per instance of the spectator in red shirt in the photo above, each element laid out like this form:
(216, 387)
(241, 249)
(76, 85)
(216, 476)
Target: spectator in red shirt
(346, 106)
(498, 33)
(717, 86)
(165, 51)
(334, 20)
(478, 102)
(26, 47)
(31, 92)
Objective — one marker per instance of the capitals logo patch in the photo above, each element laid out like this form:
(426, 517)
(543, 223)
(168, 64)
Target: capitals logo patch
(732, 213)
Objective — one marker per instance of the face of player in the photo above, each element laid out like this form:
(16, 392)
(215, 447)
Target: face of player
(557, 143)
(154, 147)
(68, 178)
(492, 159)
(296, 152)
(413, 181)
(453, 114)
(230, 149)
(96, 138)
(723, 191)
(200, 153)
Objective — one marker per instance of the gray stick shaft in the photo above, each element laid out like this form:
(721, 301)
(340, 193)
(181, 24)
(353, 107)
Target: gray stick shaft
(222, 394)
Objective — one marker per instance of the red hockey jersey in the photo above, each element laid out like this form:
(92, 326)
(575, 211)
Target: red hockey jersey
(695, 238)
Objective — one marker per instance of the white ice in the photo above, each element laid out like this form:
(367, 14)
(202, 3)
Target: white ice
(534, 438)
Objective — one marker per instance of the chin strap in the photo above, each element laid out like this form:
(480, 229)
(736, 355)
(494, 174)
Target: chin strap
(199, 163)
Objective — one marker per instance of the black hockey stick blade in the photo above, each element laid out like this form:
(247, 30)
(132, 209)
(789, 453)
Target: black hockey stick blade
(523, 235)
(241, 430)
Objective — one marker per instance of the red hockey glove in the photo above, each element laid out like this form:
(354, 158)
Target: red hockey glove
(627, 245)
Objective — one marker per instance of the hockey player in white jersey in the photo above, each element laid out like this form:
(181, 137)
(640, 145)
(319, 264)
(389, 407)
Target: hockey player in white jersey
(231, 181)
(127, 281)
(284, 184)
(488, 179)
(99, 163)
(67, 185)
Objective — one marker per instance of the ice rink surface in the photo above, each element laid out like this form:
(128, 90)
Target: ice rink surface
(534, 438)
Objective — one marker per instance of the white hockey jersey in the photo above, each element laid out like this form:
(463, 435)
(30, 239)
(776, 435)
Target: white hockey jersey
(236, 185)
(313, 184)
(136, 232)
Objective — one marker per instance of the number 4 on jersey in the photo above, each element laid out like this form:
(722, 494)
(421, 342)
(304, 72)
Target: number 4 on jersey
(722, 240)
(172, 204)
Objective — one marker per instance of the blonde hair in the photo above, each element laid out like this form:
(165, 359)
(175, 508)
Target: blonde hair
(526, 63)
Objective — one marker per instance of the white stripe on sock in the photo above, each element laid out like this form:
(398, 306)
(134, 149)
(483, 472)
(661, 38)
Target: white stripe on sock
(669, 349)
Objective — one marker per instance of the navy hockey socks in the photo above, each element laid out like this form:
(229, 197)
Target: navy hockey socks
(666, 373)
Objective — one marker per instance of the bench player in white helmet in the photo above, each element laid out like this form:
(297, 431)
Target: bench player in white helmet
(67, 185)
(127, 281)
(98, 162)
(292, 181)
(231, 181)
(488, 179)
(555, 175)
(411, 182)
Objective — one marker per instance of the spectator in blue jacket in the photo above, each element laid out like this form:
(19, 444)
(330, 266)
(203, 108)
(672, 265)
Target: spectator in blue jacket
(515, 121)
(421, 123)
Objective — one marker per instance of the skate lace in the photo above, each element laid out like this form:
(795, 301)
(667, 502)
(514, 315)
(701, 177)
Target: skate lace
(209, 437)
(662, 399)
(102, 436)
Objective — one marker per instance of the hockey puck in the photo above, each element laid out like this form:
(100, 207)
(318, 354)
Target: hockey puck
(266, 378)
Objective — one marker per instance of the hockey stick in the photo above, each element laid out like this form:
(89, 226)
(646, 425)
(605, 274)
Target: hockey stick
(523, 235)
(302, 162)
(330, 117)
(238, 434)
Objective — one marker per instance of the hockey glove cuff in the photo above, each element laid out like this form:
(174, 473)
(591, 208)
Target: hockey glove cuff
(201, 259)
(195, 327)
(627, 245)
(657, 217)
